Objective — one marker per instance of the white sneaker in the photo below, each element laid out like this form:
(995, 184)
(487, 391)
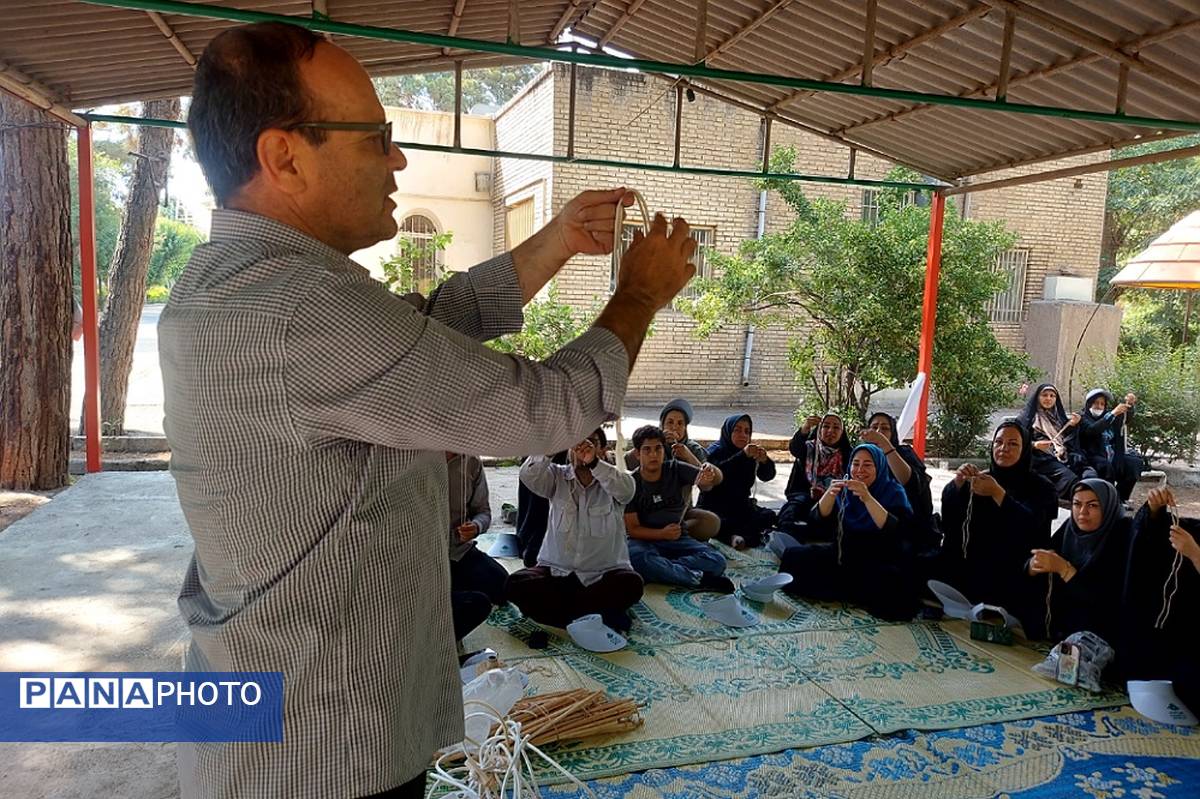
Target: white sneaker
(730, 612)
(591, 633)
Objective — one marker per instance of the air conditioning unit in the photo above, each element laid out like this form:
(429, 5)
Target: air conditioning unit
(1066, 287)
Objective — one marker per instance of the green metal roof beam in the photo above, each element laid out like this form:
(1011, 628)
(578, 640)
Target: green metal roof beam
(645, 65)
(602, 162)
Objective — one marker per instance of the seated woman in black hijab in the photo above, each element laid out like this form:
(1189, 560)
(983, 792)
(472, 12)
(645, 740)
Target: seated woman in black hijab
(1102, 438)
(1056, 452)
(1162, 599)
(1081, 575)
(869, 520)
(909, 471)
(822, 456)
(741, 462)
(990, 522)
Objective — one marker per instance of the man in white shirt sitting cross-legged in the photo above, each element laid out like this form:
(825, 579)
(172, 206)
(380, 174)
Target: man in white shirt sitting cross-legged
(583, 565)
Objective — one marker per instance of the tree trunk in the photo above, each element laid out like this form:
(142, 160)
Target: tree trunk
(35, 298)
(130, 263)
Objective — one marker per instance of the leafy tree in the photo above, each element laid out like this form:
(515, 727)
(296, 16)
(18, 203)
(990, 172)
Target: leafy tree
(173, 245)
(1167, 383)
(434, 91)
(1143, 202)
(851, 292)
(126, 284)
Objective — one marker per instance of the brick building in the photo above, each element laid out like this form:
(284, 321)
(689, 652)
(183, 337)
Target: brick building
(631, 116)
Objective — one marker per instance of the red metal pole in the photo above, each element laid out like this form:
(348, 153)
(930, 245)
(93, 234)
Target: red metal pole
(933, 267)
(89, 290)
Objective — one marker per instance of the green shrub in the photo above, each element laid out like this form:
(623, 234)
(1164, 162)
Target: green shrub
(173, 245)
(400, 271)
(1166, 381)
(973, 375)
(549, 326)
(157, 294)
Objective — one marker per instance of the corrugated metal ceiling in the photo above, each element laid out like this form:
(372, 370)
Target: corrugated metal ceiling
(1068, 53)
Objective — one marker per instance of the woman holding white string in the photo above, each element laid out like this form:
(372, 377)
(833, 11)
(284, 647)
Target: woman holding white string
(1080, 574)
(868, 519)
(1162, 599)
(990, 522)
(1102, 437)
(1056, 452)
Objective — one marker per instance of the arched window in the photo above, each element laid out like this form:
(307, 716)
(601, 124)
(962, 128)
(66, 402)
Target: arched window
(417, 241)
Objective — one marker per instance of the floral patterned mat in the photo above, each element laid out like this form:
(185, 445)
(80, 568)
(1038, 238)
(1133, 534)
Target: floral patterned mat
(1103, 754)
(806, 676)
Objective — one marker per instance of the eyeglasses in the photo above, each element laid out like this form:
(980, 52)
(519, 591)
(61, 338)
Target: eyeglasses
(384, 129)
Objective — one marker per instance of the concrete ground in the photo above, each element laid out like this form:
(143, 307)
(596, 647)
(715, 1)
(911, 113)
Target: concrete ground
(87, 583)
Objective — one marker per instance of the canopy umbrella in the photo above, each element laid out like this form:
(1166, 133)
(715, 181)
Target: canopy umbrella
(1172, 261)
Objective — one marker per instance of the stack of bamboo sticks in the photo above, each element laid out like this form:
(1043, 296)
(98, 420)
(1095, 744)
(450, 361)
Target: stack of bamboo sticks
(572, 715)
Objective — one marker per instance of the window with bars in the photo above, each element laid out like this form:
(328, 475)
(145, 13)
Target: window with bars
(705, 238)
(870, 204)
(417, 234)
(518, 222)
(1009, 304)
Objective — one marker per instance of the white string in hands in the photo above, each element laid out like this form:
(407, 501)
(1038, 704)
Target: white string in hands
(841, 529)
(1171, 585)
(618, 230)
(966, 527)
(1049, 596)
(499, 767)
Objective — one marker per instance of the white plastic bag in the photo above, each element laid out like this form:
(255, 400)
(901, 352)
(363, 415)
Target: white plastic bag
(488, 698)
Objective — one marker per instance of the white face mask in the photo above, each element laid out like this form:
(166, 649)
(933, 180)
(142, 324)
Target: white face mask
(1097, 412)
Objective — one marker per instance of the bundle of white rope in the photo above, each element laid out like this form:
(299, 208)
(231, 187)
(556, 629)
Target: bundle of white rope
(498, 767)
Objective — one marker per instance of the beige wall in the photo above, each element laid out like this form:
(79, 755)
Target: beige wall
(441, 186)
(631, 116)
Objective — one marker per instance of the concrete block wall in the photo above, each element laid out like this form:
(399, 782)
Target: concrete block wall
(525, 125)
(631, 116)
(1063, 335)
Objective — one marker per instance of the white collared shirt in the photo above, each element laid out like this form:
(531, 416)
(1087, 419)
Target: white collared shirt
(586, 530)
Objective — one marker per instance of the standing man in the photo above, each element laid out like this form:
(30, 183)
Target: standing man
(308, 408)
